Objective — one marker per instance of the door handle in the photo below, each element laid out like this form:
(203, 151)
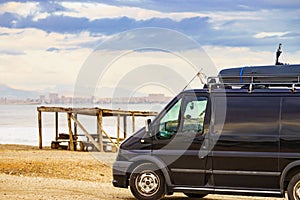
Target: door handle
(204, 148)
(146, 140)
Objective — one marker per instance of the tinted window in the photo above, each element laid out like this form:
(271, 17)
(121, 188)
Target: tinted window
(290, 116)
(249, 115)
(194, 113)
(168, 125)
(189, 114)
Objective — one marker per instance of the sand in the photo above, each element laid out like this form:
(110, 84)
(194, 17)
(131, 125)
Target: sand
(29, 173)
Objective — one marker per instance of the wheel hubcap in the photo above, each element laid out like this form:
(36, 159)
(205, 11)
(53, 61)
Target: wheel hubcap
(296, 191)
(147, 183)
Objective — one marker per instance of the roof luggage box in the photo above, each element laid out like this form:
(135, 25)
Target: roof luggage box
(261, 74)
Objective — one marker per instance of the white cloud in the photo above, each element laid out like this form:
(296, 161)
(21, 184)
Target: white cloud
(225, 57)
(32, 67)
(23, 9)
(42, 15)
(94, 11)
(145, 72)
(35, 39)
(269, 34)
(39, 70)
(97, 11)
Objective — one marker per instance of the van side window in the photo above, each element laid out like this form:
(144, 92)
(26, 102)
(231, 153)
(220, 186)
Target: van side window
(193, 117)
(168, 125)
(249, 115)
(190, 120)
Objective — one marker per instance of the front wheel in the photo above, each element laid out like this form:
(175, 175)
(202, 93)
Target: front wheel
(293, 189)
(147, 182)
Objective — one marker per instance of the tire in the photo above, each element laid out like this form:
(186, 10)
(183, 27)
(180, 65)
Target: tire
(194, 195)
(147, 182)
(293, 190)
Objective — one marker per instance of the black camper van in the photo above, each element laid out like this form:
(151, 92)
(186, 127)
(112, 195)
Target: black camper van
(240, 135)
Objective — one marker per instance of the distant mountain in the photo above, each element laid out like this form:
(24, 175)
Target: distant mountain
(11, 93)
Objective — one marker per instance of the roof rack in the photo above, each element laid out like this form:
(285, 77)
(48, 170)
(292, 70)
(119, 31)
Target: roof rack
(253, 82)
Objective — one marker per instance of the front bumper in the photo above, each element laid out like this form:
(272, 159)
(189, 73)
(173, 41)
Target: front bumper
(120, 173)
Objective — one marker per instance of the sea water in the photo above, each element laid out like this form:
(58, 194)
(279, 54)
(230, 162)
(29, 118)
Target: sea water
(19, 123)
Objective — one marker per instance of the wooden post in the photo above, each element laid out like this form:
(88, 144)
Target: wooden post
(125, 126)
(133, 123)
(70, 132)
(118, 129)
(75, 125)
(56, 126)
(99, 130)
(40, 129)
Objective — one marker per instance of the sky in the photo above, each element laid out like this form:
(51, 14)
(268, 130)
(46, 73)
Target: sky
(44, 45)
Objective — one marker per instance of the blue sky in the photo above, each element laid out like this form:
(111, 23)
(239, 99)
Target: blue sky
(43, 44)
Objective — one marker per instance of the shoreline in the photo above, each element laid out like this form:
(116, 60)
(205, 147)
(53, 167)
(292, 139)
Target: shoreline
(21, 147)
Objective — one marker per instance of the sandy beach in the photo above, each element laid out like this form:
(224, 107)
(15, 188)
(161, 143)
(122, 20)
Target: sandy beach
(29, 173)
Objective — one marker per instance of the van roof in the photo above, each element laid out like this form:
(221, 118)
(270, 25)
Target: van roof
(246, 91)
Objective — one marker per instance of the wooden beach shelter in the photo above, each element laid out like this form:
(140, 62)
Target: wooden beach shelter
(95, 140)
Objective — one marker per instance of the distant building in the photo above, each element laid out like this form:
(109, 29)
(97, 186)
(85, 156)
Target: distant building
(66, 100)
(92, 99)
(42, 99)
(53, 98)
(156, 98)
(3, 100)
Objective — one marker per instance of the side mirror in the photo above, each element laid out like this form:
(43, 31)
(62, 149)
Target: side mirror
(147, 139)
(147, 125)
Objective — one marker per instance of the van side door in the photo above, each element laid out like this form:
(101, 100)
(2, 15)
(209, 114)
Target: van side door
(290, 130)
(246, 152)
(179, 137)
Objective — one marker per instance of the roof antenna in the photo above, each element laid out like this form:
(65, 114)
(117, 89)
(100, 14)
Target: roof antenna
(200, 75)
(278, 54)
